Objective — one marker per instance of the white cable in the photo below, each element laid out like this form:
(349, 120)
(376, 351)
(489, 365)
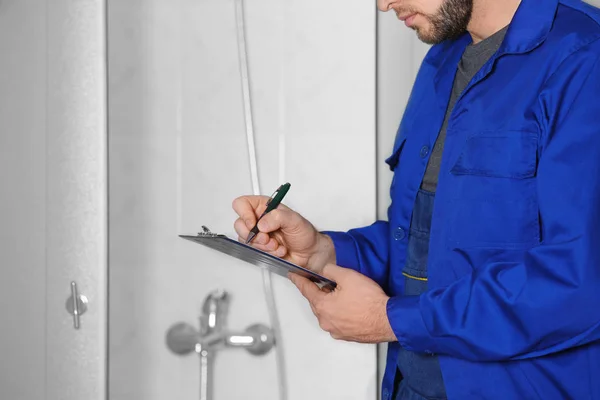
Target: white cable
(267, 281)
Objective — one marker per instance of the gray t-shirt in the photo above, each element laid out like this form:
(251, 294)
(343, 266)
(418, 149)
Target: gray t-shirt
(473, 59)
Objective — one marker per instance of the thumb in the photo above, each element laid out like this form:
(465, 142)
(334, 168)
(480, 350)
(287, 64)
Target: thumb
(281, 218)
(306, 287)
(335, 272)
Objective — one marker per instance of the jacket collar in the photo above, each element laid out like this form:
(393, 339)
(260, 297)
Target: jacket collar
(528, 29)
(530, 26)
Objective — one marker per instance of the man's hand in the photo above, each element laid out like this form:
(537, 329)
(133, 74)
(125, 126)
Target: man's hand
(283, 233)
(355, 311)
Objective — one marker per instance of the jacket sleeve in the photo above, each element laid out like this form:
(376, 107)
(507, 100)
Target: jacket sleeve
(547, 302)
(364, 250)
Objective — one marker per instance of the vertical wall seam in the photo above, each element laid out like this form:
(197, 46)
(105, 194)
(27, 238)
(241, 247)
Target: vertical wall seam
(107, 201)
(47, 87)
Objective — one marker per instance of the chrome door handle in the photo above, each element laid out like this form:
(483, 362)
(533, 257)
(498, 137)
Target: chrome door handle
(76, 304)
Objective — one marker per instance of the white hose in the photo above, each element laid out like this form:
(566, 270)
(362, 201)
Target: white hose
(267, 282)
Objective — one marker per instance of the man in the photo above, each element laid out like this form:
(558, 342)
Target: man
(485, 279)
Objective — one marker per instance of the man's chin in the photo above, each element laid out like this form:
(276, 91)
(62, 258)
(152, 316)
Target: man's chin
(429, 36)
(424, 33)
(424, 36)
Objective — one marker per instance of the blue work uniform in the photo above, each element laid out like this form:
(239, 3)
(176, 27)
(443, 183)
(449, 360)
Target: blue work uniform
(512, 309)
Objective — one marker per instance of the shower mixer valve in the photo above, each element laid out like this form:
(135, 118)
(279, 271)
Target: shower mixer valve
(183, 338)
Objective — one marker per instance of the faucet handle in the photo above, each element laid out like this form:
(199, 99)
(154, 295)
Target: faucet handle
(182, 338)
(264, 339)
(214, 312)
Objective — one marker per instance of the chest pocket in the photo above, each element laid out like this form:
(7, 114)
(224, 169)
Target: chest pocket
(499, 155)
(493, 191)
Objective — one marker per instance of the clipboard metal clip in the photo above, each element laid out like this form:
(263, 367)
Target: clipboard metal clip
(206, 232)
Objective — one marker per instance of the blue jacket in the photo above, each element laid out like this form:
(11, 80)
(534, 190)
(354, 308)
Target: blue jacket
(513, 307)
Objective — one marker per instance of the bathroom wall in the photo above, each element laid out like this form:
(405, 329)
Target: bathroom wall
(178, 157)
(53, 198)
(22, 169)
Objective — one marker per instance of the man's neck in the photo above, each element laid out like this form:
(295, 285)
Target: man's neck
(490, 16)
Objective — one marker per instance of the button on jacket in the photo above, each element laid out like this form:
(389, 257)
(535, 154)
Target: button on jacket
(513, 306)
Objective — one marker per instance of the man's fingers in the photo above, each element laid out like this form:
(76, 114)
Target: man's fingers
(249, 208)
(280, 252)
(307, 288)
(272, 247)
(240, 228)
(261, 238)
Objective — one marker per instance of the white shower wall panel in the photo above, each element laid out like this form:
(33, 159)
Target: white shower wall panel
(178, 157)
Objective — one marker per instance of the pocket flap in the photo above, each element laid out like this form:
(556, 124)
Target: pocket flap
(392, 160)
(506, 154)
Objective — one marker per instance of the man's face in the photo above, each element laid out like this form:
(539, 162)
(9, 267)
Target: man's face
(433, 20)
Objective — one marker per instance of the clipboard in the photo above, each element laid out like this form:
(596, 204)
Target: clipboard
(249, 254)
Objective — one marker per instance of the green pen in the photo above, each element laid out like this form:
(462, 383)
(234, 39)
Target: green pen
(273, 203)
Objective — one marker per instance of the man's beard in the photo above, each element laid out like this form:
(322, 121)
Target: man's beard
(448, 23)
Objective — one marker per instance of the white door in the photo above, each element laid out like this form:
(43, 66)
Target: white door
(178, 157)
(53, 198)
